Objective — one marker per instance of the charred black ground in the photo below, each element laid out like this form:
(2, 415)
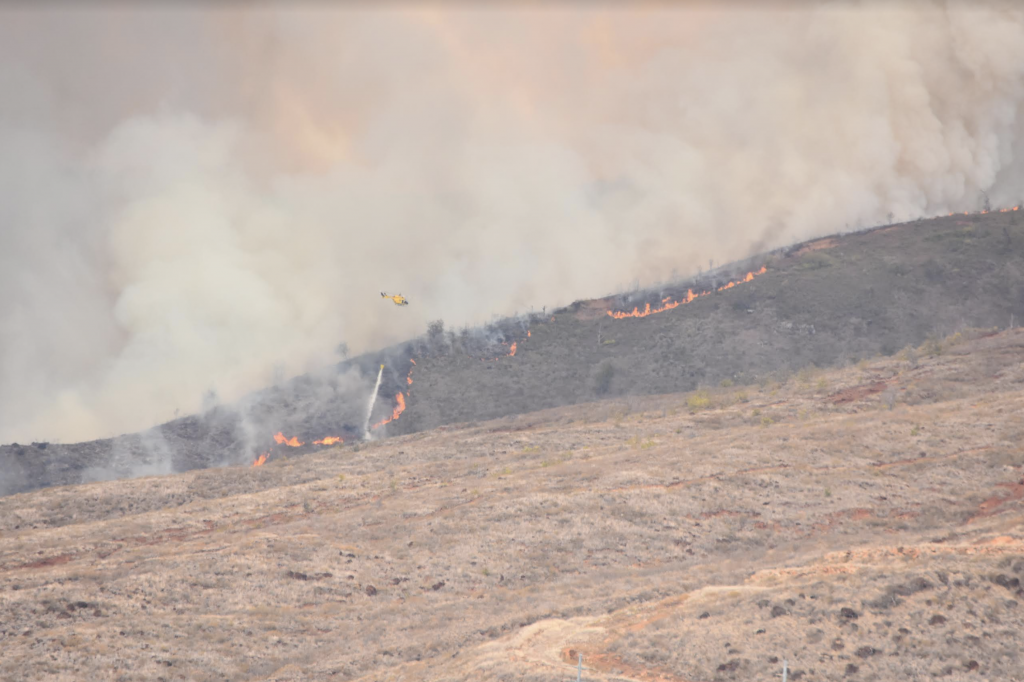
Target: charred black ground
(825, 303)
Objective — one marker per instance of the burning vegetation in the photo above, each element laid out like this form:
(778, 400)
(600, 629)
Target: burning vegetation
(669, 304)
(294, 442)
(401, 399)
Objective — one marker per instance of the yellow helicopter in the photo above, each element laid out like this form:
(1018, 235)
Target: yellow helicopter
(397, 298)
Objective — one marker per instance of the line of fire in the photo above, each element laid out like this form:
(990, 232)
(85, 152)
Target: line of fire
(667, 304)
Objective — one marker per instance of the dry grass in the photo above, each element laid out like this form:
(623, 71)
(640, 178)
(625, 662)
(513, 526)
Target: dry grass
(501, 550)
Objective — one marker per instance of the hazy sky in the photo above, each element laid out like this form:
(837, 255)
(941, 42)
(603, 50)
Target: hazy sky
(196, 198)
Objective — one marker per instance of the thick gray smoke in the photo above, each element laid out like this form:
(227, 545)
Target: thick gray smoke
(202, 199)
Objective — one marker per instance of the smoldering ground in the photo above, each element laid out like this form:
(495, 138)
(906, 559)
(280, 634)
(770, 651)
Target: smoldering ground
(197, 198)
(314, 406)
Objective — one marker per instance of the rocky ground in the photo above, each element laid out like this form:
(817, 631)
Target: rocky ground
(863, 523)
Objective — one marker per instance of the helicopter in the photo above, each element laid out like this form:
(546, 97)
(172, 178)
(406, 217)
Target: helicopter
(397, 298)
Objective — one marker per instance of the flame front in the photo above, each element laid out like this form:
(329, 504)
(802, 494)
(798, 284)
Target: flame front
(512, 353)
(329, 440)
(292, 442)
(400, 399)
(261, 459)
(669, 304)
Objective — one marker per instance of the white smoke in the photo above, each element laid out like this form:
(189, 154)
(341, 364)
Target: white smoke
(194, 199)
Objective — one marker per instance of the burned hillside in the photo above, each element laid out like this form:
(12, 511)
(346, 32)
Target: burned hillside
(825, 303)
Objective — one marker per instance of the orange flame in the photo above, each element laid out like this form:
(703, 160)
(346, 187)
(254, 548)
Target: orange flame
(669, 304)
(512, 353)
(395, 413)
(261, 459)
(292, 442)
(412, 361)
(329, 440)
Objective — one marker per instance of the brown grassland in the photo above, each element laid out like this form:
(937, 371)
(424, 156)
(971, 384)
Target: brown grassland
(862, 523)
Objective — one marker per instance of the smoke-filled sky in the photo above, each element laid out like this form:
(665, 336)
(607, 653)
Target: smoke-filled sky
(197, 198)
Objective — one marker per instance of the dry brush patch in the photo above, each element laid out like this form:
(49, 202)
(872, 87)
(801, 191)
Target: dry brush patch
(608, 529)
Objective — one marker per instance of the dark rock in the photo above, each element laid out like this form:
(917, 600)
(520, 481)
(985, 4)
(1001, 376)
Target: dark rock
(846, 613)
(937, 619)
(371, 590)
(437, 586)
(866, 651)
(778, 610)
(704, 615)
(851, 669)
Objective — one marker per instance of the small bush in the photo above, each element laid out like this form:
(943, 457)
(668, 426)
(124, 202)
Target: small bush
(909, 356)
(932, 346)
(726, 383)
(435, 334)
(699, 400)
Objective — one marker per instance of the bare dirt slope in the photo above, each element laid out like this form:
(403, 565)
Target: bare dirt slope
(701, 536)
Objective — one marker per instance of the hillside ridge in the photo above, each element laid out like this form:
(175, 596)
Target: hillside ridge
(825, 302)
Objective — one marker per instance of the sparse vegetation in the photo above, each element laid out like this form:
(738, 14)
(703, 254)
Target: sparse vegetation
(906, 548)
(699, 400)
(931, 347)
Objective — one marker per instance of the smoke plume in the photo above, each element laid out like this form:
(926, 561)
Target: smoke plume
(205, 199)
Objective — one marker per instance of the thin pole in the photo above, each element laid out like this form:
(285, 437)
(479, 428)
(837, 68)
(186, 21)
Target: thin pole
(785, 670)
